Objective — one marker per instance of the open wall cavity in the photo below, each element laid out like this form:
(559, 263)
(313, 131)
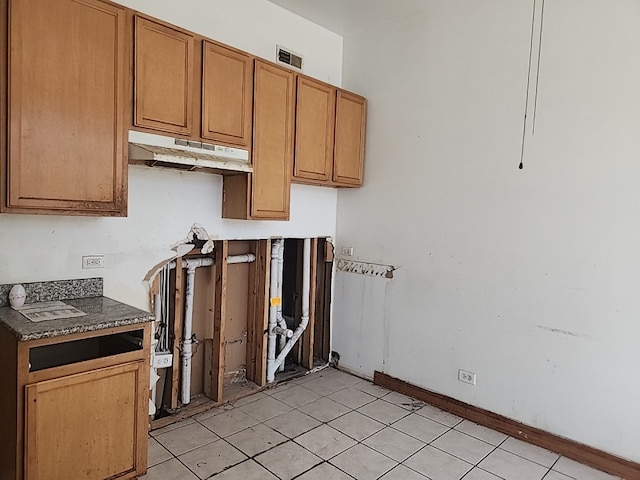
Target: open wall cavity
(213, 327)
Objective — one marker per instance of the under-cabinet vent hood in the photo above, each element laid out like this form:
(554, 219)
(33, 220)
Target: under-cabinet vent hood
(157, 150)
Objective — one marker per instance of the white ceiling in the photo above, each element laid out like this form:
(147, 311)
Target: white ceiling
(346, 16)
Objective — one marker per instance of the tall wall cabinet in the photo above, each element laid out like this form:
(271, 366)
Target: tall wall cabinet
(63, 135)
(265, 193)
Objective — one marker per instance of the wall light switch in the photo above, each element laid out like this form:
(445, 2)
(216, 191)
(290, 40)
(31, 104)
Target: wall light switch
(347, 251)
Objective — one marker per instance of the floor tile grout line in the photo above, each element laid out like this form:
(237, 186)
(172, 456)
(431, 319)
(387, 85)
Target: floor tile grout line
(267, 469)
(558, 471)
(356, 440)
(225, 469)
(482, 470)
(525, 458)
(323, 462)
(350, 409)
(430, 444)
(549, 469)
(195, 448)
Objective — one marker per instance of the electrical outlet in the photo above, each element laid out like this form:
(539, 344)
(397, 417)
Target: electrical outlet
(347, 251)
(93, 261)
(162, 360)
(467, 377)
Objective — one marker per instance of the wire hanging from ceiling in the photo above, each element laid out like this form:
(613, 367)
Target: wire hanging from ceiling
(537, 76)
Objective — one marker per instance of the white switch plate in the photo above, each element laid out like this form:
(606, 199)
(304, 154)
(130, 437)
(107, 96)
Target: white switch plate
(347, 251)
(93, 261)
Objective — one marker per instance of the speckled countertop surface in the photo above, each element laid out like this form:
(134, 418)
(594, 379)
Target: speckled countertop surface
(55, 290)
(84, 294)
(101, 313)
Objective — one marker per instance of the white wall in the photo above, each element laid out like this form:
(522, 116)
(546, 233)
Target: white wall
(527, 277)
(163, 204)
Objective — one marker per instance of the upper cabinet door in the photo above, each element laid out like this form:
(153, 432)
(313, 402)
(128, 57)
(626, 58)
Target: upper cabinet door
(164, 67)
(348, 160)
(67, 67)
(315, 122)
(227, 95)
(274, 98)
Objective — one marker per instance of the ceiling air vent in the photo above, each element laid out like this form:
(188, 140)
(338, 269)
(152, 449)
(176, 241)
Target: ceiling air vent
(285, 56)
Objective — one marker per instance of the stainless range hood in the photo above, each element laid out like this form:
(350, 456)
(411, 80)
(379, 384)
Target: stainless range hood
(157, 150)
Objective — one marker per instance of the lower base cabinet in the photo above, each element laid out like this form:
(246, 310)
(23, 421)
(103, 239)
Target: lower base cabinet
(84, 426)
(77, 406)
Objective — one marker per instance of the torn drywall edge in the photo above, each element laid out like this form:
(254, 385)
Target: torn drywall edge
(198, 232)
(180, 248)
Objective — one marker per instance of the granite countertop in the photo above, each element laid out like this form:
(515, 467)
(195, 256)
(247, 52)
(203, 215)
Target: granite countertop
(84, 294)
(101, 313)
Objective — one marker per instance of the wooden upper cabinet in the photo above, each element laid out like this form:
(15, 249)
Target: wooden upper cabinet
(164, 68)
(315, 123)
(227, 94)
(348, 161)
(273, 124)
(67, 67)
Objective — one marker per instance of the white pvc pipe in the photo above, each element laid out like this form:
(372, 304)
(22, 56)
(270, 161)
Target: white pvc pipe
(276, 247)
(275, 363)
(157, 307)
(245, 258)
(186, 352)
(282, 323)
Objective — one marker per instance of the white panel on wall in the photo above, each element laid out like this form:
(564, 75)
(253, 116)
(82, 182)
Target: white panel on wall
(359, 337)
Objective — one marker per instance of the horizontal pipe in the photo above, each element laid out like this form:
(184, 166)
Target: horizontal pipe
(244, 258)
(208, 261)
(285, 332)
(195, 262)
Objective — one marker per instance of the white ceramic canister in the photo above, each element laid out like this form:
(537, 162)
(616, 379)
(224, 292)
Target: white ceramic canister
(17, 296)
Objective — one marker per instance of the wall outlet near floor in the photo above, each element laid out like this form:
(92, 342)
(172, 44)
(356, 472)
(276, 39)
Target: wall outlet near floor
(467, 377)
(93, 261)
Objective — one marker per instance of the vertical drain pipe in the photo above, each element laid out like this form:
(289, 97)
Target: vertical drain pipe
(282, 323)
(187, 342)
(187, 337)
(274, 363)
(186, 351)
(153, 377)
(274, 301)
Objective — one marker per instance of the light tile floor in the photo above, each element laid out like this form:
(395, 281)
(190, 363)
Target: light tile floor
(334, 426)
